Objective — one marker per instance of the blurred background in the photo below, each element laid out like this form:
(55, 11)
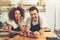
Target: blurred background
(47, 8)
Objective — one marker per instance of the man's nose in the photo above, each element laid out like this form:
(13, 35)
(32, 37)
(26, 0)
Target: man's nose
(33, 15)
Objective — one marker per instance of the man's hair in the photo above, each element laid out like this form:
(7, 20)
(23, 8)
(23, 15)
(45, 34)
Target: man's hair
(12, 11)
(33, 8)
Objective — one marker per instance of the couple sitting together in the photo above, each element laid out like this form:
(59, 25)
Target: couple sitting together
(34, 25)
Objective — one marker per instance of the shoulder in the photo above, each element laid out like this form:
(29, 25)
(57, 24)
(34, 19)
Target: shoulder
(28, 19)
(10, 22)
(42, 18)
(43, 21)
(23, 22)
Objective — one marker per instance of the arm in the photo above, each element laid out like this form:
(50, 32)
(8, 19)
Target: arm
(10, 29)
(43, 24)
(28, 21)
(28, 28)
(21, 26)
(41, 30)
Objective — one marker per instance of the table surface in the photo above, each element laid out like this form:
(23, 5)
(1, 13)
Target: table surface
(42, 37)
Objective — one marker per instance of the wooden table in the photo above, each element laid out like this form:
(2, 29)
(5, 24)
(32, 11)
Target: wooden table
(42, 37)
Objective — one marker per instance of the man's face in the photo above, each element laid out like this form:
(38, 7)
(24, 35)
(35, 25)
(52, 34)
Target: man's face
(34, 15)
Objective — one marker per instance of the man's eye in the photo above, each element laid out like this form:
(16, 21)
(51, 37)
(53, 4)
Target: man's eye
(31, 14)
(34, 13)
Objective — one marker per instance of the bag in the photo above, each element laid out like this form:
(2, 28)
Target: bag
(49, 38)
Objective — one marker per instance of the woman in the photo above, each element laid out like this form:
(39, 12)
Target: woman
(15, 26)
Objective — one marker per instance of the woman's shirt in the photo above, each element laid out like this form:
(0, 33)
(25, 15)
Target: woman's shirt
(13, 24)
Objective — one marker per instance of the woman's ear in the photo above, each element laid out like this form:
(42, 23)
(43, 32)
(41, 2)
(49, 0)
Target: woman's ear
(21, 17)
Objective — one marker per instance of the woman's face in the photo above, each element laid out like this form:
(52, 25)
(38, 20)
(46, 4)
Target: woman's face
(17, 14)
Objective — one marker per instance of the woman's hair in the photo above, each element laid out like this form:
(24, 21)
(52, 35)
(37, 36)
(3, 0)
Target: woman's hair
(12, 11)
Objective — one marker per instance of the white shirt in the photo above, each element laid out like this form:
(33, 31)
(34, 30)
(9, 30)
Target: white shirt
(14, 25)
(43, 22)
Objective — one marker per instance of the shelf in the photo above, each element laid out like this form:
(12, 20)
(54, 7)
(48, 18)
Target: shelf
(2, 30)
(41, 10)
(31, 5)
(5, 3)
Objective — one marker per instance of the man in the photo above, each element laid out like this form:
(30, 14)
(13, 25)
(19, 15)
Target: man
(34, 24)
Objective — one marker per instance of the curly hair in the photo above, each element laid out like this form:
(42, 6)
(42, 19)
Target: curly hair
(12, 11)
